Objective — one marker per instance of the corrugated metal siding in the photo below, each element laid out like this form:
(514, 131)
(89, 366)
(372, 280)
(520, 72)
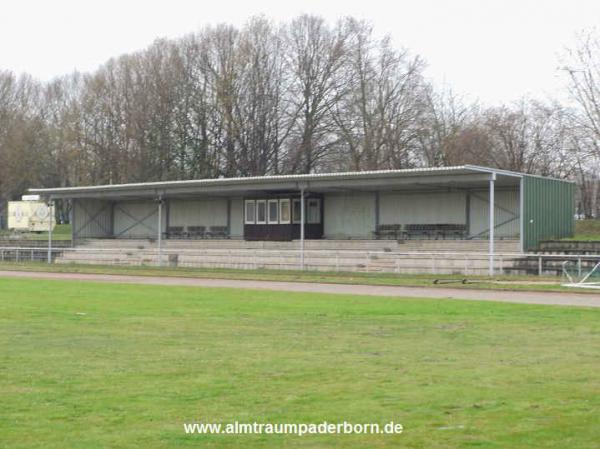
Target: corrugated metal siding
(137, 219)
(349, 216)
(549, 209)
(209, 212)
(506, 214)
(422, 208)
(91, 218)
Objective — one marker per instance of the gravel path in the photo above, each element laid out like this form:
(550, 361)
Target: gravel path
(550, 298)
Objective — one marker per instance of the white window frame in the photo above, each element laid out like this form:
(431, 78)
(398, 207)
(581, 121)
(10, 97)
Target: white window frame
(295, 220)
(307, 213)
(264, 203)
(281, 203)
(269, 218)
(246, 220)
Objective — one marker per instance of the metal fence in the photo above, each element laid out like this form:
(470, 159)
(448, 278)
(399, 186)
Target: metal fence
(421, 262)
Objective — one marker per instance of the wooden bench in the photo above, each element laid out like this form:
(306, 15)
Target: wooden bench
(388, 231)
(435, 230)
(218, 232)
(175, 232)
(458, 231)
(196, 232)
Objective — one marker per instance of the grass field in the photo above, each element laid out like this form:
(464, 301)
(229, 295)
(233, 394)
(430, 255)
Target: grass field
(90, 365)
(587, 230)
(60, 232)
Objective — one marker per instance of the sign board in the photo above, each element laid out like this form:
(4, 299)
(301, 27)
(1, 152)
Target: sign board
(30, 216)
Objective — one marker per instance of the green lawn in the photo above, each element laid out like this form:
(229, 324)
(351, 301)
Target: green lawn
(60, 232)
(90, 365)
(587, 230)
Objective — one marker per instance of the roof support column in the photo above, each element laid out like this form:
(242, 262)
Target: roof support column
(159, 231)
(522, 214)
(112, 220)
(468, 214)
(72, 221)
(492, 223)
(302, 228)
(377, 213)
(50, 221)
(228, 218)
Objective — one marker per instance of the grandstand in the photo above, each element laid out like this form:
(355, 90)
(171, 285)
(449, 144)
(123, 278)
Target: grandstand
(464, 209)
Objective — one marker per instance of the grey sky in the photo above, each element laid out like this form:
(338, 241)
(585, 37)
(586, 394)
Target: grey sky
(493, 50)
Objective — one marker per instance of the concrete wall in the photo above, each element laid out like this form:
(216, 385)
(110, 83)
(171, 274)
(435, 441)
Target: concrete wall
(507, 212)
(91, 218)
(206, 212)
(237, 218)
(137, 219)
(353, 216)
(422, 208)
(349, 215)
(345, 215)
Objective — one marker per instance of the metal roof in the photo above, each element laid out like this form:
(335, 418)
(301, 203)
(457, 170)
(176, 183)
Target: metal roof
(254, 183)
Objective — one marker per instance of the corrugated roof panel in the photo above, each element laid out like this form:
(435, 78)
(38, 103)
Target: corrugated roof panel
(464, 169)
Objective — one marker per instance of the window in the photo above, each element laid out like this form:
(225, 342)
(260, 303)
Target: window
(313, 212)
(284, 211)
(250, 212)
(273, 211)
(297, 211)
(261, 212)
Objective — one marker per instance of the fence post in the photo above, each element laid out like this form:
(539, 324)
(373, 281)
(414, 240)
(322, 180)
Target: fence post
(50, 223)
(579, 267)
(540, 265)
(17, 255)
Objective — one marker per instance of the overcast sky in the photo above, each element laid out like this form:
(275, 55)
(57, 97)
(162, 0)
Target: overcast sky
(496, 51)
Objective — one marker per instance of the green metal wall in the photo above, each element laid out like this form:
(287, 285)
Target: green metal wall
(548, 209)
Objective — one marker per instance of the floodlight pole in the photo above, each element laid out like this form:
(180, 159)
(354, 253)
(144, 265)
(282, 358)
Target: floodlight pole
(302, 228)
(492, 223)
(159, 231)
(50, 219)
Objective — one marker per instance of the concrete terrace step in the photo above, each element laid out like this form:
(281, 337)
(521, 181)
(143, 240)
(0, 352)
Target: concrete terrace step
(374, 245)
(415, 256)
(314, 260)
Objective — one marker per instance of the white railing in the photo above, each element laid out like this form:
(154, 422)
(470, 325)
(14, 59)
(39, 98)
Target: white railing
(414, 262)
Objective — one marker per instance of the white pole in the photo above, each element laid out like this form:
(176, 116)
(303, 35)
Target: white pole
(492, 223)
(51, 219)
(159, 231)
(302, 228)
(522, 214)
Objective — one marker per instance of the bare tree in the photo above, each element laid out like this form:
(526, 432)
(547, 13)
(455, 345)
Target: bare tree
(377, 113)
(315, 59)
(442, 125)
(582, 65)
